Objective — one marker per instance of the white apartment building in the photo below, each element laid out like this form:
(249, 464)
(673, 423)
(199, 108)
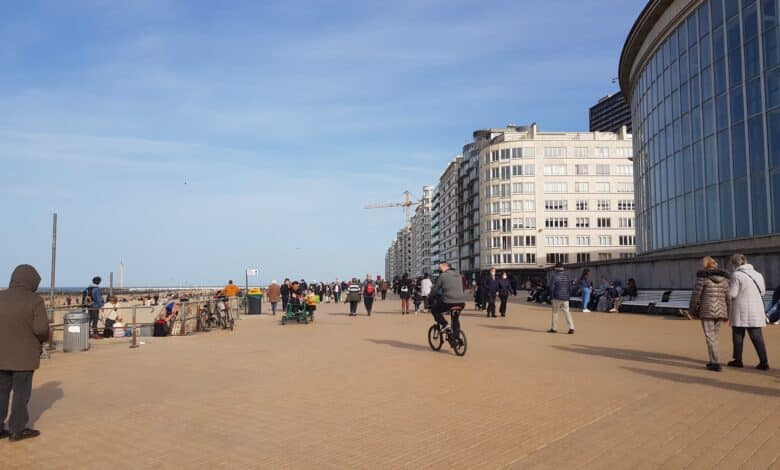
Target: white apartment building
(421, 234)
(449, 214)
(555, 196)
(435, 232)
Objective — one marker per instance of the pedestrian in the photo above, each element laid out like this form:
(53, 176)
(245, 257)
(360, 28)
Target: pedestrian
(747, 314)
(24, 327)
(425, 291)
(369, 292)
(284, 291)
(417, 297)
(384, 287)
(337, 291)
(586, 288)
(504, 289)
(274, 294)
(405, 288)
(710, 302)
(92, 298)
(353, 296)
(559, 291)
(491, 288)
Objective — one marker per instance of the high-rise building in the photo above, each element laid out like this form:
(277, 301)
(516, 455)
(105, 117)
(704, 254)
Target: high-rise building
(703, 80)
(610, 114)
(435, 232)
(555, 196)
(449, 213)
(421, 234)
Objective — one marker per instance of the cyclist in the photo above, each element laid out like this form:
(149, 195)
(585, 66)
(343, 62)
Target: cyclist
(448, 290)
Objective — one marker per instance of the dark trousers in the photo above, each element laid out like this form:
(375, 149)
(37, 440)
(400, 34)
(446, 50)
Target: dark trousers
(353, 307)
(285, 301)
(337, 296)
(21, 384)
(273, 307)
(108, 329)
(502, 307)
(756, 337)
(491, 305)
(369, 303)
(94, 315)
(438, 309)
(384, 294)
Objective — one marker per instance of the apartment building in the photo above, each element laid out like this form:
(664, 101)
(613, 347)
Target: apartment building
(555, 196)
(421, 234)
(449, 213)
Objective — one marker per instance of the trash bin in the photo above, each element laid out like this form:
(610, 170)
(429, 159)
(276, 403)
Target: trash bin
(76, 332)
(255, 303)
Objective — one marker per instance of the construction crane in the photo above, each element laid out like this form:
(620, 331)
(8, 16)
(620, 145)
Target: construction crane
(406, 204)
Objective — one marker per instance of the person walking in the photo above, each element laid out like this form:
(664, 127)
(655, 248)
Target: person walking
(504, 289)
(587, 288)
(337, 291)
(747, 314)
(383, 288)
(710, 302)
(491, 288)
(284, 291)
(425, 291)
(369, 292)
(274, 294)
(353, 296)
(24, 327)
(92, 298)
(559, 291)
(405, 288)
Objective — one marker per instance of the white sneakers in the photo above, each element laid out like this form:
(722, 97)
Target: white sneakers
(585, 310)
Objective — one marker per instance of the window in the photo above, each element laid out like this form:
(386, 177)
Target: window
(602, 170)
(517, 240)
(582, 222)
(495, 225)
(625, 222)
(555, 170)
(602, 152)
(494, 208)
(627, 255)
(555, 205)
(556, 222)
(506, 243)
(518, 223)
(557, 258)
(581, 152)
(556, 187)
(487, 175)
(626, 240)
(494, 156)
(555, 152)
(603, 222)
(504, 154)
(602, 205)
(496, 259)
(624, 152)
(625, 170)
(583, 240)
(506, 207)
(625, 187)
(557, 241)
(530, 258)
(583, 257)
(522, 170)
(530, 240)
(625, 205)
(505, 172)
(518, 258)
(523, 188)
(580, 170)
(507, 258)
(523, 152)
(582, 205)
(506, 225)
(530, 222)
(495, 242)
(581, 187)
(605, 240)
(605, 256)
(495, 173)
(602, 187)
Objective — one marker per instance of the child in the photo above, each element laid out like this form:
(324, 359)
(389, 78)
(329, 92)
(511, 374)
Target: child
(417, 298)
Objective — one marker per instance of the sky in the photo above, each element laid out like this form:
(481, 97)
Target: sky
(192, 139)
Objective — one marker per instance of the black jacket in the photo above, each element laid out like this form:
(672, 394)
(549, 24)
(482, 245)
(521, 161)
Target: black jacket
(504, 287)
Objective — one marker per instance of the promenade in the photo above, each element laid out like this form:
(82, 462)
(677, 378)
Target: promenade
(625, 391)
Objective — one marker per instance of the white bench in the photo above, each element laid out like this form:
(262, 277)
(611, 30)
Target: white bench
(679, 301)
(645, 299)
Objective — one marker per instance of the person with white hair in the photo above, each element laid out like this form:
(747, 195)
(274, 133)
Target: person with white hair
(274, 294)
(747, 314)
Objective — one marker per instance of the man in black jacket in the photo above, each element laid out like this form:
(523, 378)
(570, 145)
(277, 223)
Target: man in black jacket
(491, 289)
(559, 291)
(504, 288)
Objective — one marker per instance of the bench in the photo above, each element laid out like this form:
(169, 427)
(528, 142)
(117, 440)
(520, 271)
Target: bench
(767, 298)
(644, 301)
(679, 300)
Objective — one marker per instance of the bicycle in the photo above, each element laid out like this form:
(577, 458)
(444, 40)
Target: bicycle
(437, 336)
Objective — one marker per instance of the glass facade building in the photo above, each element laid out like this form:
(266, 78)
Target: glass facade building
(704, 92)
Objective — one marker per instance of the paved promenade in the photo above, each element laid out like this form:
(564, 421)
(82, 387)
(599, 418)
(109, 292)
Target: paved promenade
(626, 391)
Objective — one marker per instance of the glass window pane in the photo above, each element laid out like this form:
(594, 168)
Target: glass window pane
(732, 8)
(710, 161)
(704, 19)
(721, 112)
(724, 160)
(690, 214)
(773, 88)
(708, 117)
(695, 124)
(733, 37)
(756, 145)
(718, 44)
(735, 66)
(726, 215)
(716, 13)
(698, 166)
(750, 21)
(737, 105)
(741, 209)
(760, 215)
(753, 98)
(776, 200)
(705, 50)
(752, 64)
(686, 129)
(713, 213)
(687, 169)
(771, 48)
(701, 216)
(695, 91)
(769, 13)
(693, 59)
(719, 75)
(738, 151)
(773, 133)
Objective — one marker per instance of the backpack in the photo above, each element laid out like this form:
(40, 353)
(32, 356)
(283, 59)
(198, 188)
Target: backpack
(404, 288)
(369, 288)
(87, 294)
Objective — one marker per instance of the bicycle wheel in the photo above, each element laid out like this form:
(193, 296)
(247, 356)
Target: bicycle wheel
(460, 344)
(434, 337)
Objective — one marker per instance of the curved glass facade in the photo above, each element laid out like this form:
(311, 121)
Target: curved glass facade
(706, 110)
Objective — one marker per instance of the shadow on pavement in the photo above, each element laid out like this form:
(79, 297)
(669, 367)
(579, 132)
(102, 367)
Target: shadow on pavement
(400, 344)
(635, 355)
(514, 328)
(680, 378)
(44, 398)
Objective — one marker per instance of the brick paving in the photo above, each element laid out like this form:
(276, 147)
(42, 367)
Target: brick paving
(626, 391)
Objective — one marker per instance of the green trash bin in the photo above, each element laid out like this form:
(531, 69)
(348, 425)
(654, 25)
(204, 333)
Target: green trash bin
(255, 304)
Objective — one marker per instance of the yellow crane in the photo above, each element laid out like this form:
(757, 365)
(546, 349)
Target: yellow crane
(406, 204)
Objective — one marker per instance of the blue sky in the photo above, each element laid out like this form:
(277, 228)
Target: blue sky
(194, 139)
